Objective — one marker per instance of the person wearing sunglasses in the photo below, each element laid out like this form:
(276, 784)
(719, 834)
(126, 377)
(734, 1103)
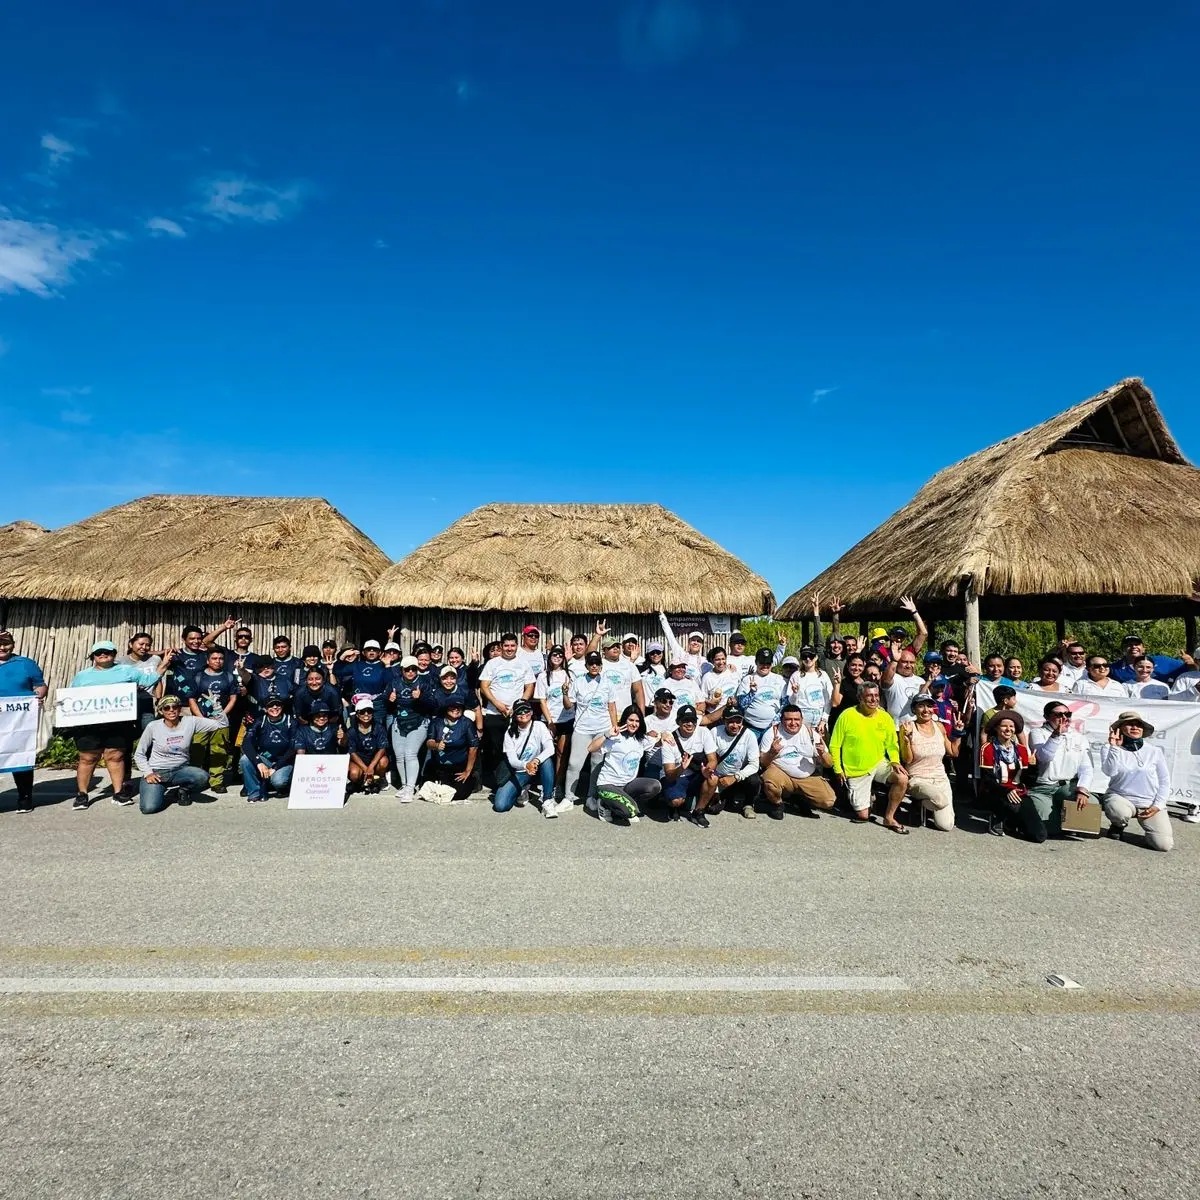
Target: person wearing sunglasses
(1064, 773)
(1073, 663)
(1138, 781)
(163, 756)
(1099, 680)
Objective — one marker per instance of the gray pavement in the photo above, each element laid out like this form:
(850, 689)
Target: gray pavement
(977, 1079)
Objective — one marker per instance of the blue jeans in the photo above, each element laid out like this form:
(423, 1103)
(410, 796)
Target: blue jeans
(406, 748)
(507, 793)
(153, 796)
(257, 786)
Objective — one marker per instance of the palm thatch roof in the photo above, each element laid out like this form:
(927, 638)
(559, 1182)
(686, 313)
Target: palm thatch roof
(242, 549)
(17, 535)
(1097, 501)
(606, 558)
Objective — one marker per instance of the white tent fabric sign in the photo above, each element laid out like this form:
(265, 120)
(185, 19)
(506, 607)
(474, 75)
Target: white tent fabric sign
(102, 705)
(1176, 731)
(319, 781)
(18, 732)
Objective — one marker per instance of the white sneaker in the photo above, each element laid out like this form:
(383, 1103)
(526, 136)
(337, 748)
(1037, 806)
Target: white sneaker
(1192, 817)
(563, 806)
(549, 808)
(406, 795)
(634, 820)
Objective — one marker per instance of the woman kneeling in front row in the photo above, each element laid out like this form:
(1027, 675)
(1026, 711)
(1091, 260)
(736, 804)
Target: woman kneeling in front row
(529, 756)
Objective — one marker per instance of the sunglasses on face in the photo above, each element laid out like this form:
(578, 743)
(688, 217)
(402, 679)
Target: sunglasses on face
(1097, 666)
(1061, 715)
(170, 707)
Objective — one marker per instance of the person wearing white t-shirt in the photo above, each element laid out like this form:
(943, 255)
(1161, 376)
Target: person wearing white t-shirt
(692, 654)
(1099, 681)
(660, 722)
(686, 691)
(503, 681)
(530, 650)
(621, 796)
(718, 688)
(901, 684)
(685, 754)
(736, 771)
(1186, 687)
(575, 663)
(1072, 664)
(792, 756)
(595, 713)
(737, 659)
(622, 676)
(631, 648)
(811, 690)
(760, 694)
(1144, 685)
(653, 670)
(552, 691)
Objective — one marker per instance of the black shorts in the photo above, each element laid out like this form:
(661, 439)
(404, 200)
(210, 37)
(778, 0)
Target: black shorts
(564, 729)
(109, 735)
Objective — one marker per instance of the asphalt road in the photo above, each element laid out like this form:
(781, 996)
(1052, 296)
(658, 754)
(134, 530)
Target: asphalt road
(967, 1076)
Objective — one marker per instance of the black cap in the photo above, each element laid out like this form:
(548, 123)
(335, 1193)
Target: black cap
(319, 708)
(898, 630)
(665, 694)
(686, 713)
(1131, 639)
(807, 652)
(737, 637)
(592, 656)
(522, 706)
(763, 657)
(311, 652)
(733, 713)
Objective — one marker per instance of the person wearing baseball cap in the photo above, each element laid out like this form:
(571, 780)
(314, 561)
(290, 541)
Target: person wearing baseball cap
(529, 759)
(689, 757)
(162, 755)
(760, 694)
(737, 659)
(322, 735)
(110, 740)
(367, 743)
(622, 676)
(653, 669)
(268, 752)
(266, 683)
(693, 655)
(1133, 647)
(595, 713)
(413, 699)
(631, 649)
(530, 651)
(737, 770)
(660, 724)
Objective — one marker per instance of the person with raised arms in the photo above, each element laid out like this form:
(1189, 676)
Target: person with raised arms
(692, 655)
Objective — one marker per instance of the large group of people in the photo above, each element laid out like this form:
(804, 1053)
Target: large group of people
(624, 729)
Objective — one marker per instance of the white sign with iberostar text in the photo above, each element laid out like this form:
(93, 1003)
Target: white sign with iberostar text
(319, 781)
(105, 704)
(18, 732)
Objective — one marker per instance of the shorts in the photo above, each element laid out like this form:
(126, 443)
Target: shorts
(685, 785)
(563, 729)
(859, 786)
(108, 735)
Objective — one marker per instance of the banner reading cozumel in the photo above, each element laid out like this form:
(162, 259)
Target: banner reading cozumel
(102, 705)
(18, 732)
(1176, 730)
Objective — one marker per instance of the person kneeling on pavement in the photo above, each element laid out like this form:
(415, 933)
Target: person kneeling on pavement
(736, 772)
(792, 756)
(685, 755)
(1064, 771)
(453, 745)
(163, 756)
(621, 795)
(1138, 781)
(367, 741)
(267, 752)
(528, 759)
(322, 735)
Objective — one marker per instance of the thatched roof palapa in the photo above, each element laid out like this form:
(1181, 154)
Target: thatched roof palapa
(241, 549)
(627, 558)
(17, 535)
(1099, 501)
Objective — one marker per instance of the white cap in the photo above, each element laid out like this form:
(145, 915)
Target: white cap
(677, 662)
(369, 643)
(790, 661)
(392, 646)
(364, 703)
(408, 661)
(695, 634)
(630, 637)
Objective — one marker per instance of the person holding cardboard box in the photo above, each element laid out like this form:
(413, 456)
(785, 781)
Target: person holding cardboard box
(1138, 781)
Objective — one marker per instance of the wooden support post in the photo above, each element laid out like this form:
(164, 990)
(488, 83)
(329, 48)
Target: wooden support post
(972, 624)
(1189, 626)
(1060, 628)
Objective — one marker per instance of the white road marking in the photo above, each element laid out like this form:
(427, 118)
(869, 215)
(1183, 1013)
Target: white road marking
(496, 984)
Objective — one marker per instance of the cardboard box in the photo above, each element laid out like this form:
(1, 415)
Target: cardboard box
(1084, 820)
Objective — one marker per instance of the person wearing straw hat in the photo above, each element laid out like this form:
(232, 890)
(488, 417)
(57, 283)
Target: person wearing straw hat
(163, 755)
(110, 740)
(1138, 781)
(20, 676)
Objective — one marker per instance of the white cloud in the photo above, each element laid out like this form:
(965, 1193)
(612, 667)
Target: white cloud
(819, 394)
(380, 244)
(67, 392)
(75, 416)
(39, 257)
(235, 198)
(59, 151)
(659, 33)
(165, 227)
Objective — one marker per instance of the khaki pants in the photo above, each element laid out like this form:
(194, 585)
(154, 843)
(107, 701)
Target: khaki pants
(1156, 828)
(779, 786)
(210, 752)
(936, 797)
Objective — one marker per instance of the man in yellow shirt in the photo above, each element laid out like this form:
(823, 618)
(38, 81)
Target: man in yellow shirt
(865, 751)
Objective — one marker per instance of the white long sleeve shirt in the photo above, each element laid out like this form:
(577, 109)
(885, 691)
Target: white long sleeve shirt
(526, 745)
(695, 662)
(1139, 775)
(1089, 687)
(1063, 758)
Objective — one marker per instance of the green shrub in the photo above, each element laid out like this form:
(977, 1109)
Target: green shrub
(60, 753)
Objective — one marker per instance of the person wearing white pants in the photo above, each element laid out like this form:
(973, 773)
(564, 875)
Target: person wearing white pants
(595, 713)
(1138, 781)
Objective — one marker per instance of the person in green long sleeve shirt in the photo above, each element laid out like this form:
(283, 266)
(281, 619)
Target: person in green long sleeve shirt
(865, 751)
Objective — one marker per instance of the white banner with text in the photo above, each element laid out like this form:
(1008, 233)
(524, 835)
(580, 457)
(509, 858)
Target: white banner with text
(18, 732)
(319, 781)
(103, 705)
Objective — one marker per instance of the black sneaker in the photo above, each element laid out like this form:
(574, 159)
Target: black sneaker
(128, 791)
(81, 802)
(698, 818)
(805, 811)
(673, 813)
(714, 806)
(219, 790)
(24, 806)
(996, 826)
(122, 798)
(775, 812)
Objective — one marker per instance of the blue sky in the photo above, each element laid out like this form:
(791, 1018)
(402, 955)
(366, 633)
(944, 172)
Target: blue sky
(769, 264)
